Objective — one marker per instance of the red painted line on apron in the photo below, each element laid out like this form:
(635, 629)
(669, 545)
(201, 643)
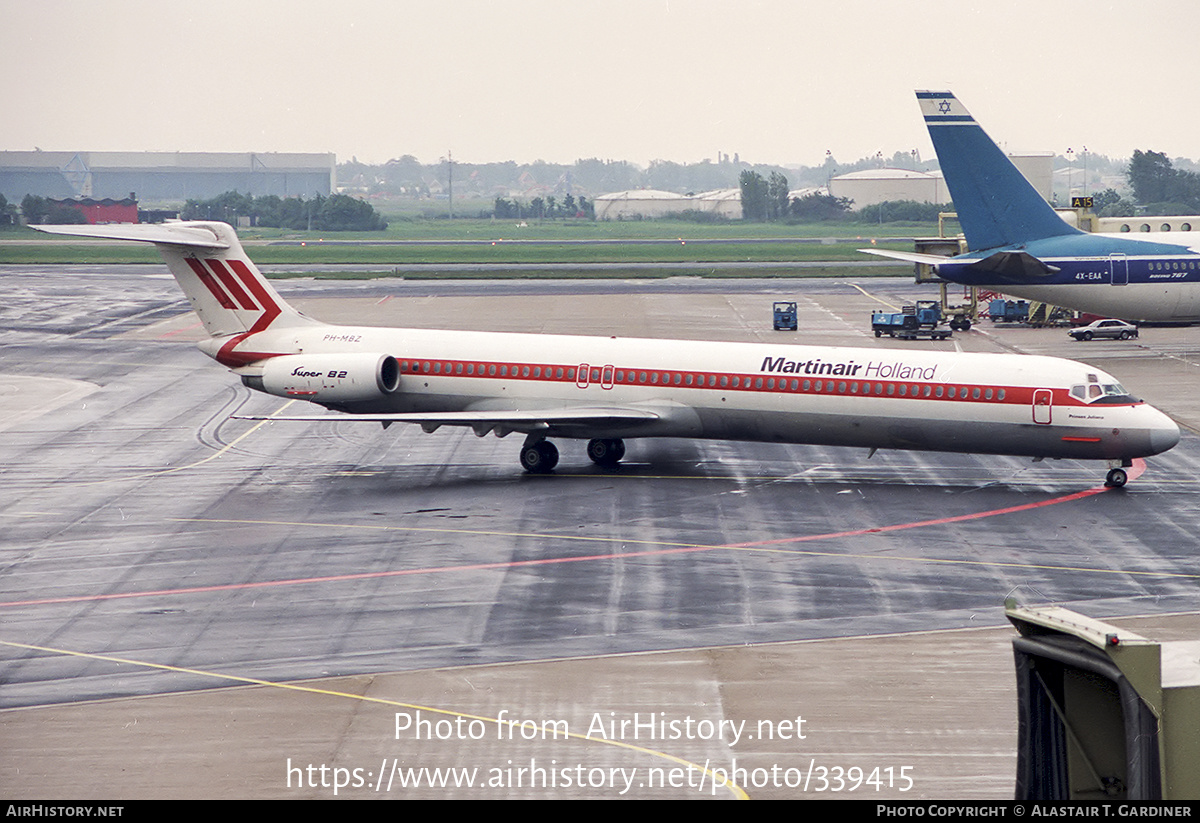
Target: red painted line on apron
(1139, 466)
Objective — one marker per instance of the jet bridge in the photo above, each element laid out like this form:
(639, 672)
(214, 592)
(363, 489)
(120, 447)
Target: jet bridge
(1104, 714)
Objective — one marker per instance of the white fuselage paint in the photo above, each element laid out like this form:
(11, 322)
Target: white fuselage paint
(874, 398)
(612, 388)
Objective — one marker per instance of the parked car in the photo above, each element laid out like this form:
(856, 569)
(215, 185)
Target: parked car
(1113, 329)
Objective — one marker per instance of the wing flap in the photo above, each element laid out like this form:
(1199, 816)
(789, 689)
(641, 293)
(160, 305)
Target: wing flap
(501, 422)
(1018, 265)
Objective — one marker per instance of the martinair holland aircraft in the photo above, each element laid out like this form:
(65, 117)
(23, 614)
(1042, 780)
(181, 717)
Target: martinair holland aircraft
(606, 389)
(1020, 246)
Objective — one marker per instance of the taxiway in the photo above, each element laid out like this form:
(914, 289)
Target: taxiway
(153, 549)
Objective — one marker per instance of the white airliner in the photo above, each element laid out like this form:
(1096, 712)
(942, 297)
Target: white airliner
(605, 389)
(1020, 246)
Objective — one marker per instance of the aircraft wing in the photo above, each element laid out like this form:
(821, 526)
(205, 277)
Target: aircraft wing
(909, 256)
(502, 422)
(172, 234)
(1018, 265)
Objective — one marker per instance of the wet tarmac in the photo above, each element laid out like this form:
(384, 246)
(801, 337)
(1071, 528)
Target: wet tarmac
(152, 546)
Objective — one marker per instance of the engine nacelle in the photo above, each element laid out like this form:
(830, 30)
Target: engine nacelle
(329, 378)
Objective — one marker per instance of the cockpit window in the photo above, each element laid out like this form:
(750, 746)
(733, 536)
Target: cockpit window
(1103, 393)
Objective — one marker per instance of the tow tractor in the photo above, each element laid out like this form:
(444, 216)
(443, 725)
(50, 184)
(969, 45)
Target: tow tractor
(922, 320)
(786, 318)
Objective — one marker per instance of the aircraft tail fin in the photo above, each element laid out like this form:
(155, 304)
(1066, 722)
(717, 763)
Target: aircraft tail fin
(224, 287)
(996, 205)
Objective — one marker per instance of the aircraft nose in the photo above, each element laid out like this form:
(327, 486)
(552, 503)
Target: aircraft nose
(1164, 436)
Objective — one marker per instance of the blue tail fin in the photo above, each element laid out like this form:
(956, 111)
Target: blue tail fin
(996, 205)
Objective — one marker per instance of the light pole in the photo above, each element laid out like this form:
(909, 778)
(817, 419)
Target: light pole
(450, 183)
(1085, 179)
(1070, 171)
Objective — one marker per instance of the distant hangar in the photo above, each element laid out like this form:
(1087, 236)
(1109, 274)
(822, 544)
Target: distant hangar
(164, 176)
(862, 188)
(871, 186)
(637, 204)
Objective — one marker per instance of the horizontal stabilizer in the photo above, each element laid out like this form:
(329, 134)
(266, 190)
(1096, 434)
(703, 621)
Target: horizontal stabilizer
(224, 287)
(180, 235)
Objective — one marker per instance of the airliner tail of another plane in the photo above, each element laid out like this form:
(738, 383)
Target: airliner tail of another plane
(996, 205)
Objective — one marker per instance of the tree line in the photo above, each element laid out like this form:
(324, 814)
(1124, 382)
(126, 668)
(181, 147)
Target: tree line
(766, 199)
(548, 208)
(337, 212)
(43, 210)
(1160, 187)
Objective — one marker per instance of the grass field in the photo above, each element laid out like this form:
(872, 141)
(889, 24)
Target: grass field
(482, 242)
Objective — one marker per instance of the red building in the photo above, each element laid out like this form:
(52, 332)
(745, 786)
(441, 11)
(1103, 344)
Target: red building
(102, 211)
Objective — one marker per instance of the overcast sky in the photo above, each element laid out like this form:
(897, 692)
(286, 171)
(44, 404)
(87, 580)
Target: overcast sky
(779, 81)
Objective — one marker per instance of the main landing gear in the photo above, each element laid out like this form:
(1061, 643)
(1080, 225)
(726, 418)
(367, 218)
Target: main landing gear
(606, 452)
(541, 456)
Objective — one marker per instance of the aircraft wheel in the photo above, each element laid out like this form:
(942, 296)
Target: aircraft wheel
(539, 458)
(606, 452)
(1116, 478)
(965, 325)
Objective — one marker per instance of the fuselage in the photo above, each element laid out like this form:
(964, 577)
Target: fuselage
(1021, 246)
(1148, 280)
(605, 389)
(873, 398)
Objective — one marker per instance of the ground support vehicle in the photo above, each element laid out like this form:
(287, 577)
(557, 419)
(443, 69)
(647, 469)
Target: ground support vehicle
(786, 318)
(1008, 311)
(960, 321)
(922, 320)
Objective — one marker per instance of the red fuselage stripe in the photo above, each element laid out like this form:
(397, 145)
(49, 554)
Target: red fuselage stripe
(610, 376)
